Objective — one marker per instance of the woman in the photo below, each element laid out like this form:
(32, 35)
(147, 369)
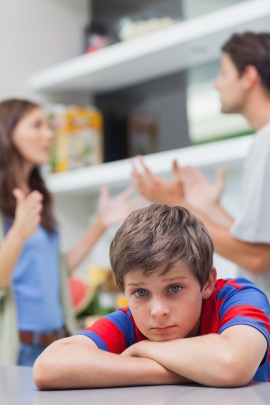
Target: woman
(35, 305)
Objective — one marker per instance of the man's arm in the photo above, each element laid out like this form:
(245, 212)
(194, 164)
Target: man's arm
(254, 257)
(188, 185)
(156, 189)
(204, 196)
(227, 360)
(76, 362)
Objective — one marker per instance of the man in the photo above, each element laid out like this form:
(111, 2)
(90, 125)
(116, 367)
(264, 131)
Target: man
(244, 86)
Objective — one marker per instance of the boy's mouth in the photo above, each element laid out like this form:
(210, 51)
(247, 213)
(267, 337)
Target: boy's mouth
(163, 329)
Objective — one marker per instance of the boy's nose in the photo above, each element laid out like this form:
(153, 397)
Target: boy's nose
(159, 309)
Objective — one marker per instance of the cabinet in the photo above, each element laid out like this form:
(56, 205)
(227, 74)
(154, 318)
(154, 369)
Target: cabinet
(186, 44)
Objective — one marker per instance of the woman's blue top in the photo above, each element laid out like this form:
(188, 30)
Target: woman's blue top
(36, 283)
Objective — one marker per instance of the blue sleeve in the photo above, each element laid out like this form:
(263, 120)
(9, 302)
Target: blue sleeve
(243, 303)
(113, 333)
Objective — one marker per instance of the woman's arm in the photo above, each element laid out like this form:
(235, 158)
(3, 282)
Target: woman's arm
(76, 362)
(227, 360)
(79, 252)
(9, 255)
(27, 219)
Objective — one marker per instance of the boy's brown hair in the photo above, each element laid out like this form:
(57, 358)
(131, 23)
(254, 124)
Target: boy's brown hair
(161, 237)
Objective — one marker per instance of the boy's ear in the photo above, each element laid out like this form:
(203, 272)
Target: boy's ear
(210, 284)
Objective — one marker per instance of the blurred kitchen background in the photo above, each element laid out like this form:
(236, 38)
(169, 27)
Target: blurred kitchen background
(121, 78)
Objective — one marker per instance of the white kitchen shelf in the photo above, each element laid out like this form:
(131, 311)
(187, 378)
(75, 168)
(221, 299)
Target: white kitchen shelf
(183, 45)
(88, 180)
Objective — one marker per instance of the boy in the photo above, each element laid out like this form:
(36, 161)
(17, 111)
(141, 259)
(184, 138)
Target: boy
(181, 325)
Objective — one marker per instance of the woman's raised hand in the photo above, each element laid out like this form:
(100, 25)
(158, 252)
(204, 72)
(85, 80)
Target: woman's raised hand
(112, 211)
(28, 212)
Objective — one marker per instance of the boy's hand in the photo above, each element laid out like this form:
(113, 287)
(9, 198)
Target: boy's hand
(156, 189)
(137, 350)
(140, 349)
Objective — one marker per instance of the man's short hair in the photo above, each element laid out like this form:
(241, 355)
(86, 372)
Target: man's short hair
(160, 237)
(251, 48)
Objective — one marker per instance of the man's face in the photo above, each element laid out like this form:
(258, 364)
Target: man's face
(165, 307)
(230, 86)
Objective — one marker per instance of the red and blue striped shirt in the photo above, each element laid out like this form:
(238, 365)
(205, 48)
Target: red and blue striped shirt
(233, 302)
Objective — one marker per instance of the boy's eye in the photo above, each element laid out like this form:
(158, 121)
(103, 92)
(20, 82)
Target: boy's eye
(175, 288)
(140, 293)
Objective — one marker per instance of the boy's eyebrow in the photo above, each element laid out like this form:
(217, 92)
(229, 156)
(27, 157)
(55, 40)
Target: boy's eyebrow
(174, 278)
(167, 279)
(136, 284)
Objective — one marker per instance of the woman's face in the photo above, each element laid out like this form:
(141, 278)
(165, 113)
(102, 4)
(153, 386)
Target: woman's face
(33, 137)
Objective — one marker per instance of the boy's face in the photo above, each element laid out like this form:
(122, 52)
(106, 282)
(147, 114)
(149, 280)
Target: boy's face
(168, 306)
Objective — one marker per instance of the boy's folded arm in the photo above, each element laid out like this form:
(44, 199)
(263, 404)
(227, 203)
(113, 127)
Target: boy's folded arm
(227, 360)
(77, 362)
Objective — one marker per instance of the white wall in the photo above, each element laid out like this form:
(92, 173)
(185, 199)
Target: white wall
(35, 34)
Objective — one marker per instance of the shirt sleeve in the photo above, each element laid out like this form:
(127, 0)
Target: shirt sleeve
(113, 333)
(252, 224)
(243, 303)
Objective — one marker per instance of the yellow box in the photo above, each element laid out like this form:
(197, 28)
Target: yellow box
(78, 138)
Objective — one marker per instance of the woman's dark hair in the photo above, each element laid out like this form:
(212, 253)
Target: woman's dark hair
(11, 112)
(251, 48)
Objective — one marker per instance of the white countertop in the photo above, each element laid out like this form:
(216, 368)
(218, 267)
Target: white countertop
(17, 388)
